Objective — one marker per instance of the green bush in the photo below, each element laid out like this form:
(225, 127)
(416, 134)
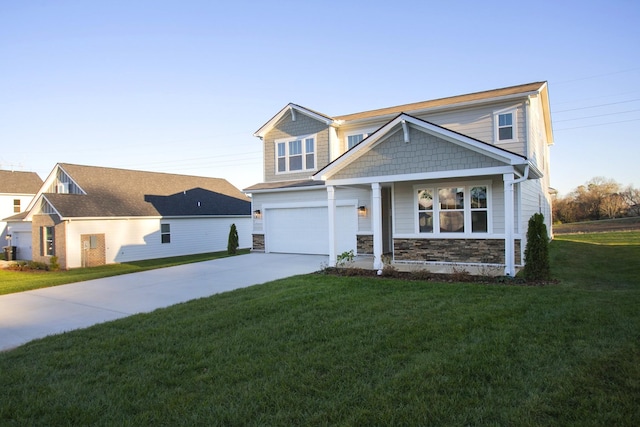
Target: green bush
(232, 246)
(54, 265)
(536, 254)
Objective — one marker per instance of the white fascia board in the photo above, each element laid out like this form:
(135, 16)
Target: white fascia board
(42, 197)
(51, 178)
(309, 204)
(281, 190)
(423, 176)
(260, 133)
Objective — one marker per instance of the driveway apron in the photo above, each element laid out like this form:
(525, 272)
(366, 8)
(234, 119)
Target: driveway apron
(35, 314)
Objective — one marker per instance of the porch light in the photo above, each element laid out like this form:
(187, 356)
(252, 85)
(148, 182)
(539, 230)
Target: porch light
(257, 214)
(362, 210)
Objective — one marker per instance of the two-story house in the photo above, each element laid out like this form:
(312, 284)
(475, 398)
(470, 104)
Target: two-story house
(17, 189)
(452, 180)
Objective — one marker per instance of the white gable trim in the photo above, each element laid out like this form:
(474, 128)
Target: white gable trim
(48, 182)
(293, 108)
(415, 123)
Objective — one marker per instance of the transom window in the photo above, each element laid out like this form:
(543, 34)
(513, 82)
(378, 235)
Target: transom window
(295, 155)
(505, 127)
(353, 140)
(455, 209)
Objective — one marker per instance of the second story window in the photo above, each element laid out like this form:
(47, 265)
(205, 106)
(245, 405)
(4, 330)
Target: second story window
(505, 125)
(295, 155)
(353, 140)
(16, 205)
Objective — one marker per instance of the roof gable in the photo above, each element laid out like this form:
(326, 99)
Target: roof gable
(293, 109)
(404, 124)
(111, 192)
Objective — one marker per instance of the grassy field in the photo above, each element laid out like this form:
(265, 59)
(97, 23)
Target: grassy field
(19, 281)
(325, 350)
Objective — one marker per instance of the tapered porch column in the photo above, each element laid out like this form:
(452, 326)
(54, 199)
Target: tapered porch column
(331, 198)
(509, 225)
(376, 219)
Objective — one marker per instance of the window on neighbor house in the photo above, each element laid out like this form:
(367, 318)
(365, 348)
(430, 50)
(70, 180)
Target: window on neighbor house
(295, 155)
(505, 125)
(165, 233)
(453, 209)
(48, 243)
(93, 242)
(16, 205)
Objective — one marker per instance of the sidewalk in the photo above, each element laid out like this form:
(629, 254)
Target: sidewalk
(26, 316)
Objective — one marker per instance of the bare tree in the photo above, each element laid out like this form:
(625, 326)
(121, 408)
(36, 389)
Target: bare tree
(631, 197)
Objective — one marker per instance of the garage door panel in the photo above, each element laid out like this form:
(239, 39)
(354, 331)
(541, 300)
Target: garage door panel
(306, 230)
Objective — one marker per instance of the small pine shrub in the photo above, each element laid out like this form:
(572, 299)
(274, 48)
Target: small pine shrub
(53, 263)
(232, 246)
(536, 253)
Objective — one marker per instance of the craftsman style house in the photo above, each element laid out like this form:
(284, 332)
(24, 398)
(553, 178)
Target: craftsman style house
(88, 216)
(451, 180)
(17, 189)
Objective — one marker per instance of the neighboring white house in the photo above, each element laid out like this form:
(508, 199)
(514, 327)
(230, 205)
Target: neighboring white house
(452, 180)
(16, 192)
(89, 216)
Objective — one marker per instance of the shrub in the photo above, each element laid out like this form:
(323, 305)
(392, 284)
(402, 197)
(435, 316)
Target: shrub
(232, 246)
(345, 258)
(536, 253)
(53, 263)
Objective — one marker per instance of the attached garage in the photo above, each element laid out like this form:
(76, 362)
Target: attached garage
(22, 241)
(305, 230)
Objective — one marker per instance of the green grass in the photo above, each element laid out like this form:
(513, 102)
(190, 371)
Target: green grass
(324, 350)
(19, 281)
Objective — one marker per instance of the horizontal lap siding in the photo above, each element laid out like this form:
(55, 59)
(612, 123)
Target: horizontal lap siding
(138, 239)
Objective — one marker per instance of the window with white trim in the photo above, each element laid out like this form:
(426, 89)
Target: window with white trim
(294, 155)
(165, 233)
(505, 125)
(353, 140)
(453, 209)
(16, 205)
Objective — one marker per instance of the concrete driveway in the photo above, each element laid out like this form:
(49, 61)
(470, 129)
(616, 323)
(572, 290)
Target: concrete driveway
(35, 314)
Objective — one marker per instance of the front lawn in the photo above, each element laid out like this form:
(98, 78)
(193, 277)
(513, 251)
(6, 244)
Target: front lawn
(326, 350)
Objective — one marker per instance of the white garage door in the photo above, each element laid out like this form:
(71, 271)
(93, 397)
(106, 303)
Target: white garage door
(22, 241)
(306, 230)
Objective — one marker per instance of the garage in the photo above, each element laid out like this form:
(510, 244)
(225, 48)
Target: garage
(305, 230)
(22, 241)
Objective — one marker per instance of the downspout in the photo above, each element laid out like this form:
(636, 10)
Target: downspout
(509, 244)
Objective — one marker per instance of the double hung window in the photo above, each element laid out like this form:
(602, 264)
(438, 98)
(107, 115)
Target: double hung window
(48, 243)
(505, 125)
(453, 209)
(165, 233)
(295, 155)
(16, 205)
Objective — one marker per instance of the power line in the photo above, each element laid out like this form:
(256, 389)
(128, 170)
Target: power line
(596, 106)
(596, 116)
(594, 125)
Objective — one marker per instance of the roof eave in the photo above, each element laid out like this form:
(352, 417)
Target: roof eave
(260, 133)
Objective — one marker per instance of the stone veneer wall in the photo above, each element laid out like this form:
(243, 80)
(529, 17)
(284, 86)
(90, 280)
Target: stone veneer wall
(364, 244)
(258, 242)
(489, 251)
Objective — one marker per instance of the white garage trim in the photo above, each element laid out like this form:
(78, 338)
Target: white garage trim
(296, 228)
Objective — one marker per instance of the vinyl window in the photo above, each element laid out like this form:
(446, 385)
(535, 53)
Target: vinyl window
(453, 209)
(296, 155)
(165, 233)
(505, 125)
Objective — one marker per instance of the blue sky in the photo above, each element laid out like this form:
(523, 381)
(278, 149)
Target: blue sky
(180, 86)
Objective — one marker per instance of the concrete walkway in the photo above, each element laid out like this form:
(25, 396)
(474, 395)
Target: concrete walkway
(35, 314)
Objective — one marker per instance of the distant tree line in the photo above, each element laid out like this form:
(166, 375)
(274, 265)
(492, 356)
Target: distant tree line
(599, 198)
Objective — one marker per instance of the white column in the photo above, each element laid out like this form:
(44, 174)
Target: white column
(376, 219)
(331, 197)
(509, 225)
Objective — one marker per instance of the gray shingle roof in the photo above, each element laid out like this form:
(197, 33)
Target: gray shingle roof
(19, 182)
(114, 192)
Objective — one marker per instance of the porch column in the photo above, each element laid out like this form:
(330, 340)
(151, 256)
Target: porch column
(509, 225)
(331, 198)
(376, 219)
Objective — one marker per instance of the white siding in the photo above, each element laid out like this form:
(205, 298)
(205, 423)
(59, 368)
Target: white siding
(6, 210)
(137, 239)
